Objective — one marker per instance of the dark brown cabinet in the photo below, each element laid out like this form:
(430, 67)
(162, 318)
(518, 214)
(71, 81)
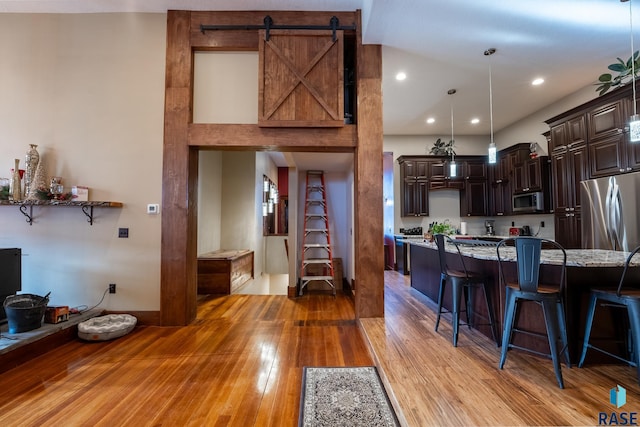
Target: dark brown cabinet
(568, 168)
(588, 141)
(474, 200)
(531, 175)
(568, 229)
(421, 174)
(607, 156)
(415, 169)
(499, 187)
(439, 177)
(606, 120)
(414, 194)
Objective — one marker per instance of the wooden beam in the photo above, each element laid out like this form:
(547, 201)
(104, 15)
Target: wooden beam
(369, 245)
(178, 246)
(230, 136)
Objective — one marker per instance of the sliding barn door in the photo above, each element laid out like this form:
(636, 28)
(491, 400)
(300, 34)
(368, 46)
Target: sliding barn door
(301, 79)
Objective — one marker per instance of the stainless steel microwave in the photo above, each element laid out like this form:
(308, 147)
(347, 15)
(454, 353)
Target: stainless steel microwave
(528, 202)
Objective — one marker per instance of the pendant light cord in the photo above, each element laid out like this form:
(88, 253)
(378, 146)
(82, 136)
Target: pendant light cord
(490, 102)
(452, 141)
(633, 59)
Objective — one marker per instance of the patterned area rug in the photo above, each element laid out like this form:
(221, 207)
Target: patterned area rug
(344, 397)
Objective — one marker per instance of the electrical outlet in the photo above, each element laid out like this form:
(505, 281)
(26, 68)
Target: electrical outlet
(123, 232)
(541, 224)
(112, 288)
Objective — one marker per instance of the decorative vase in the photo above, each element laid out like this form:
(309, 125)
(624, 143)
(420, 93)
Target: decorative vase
(39, 180)
(15, 182)
(31, 160)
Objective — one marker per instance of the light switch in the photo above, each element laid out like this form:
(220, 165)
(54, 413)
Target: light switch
(153, 209)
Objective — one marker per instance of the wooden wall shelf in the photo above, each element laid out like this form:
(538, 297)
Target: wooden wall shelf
(87, 207)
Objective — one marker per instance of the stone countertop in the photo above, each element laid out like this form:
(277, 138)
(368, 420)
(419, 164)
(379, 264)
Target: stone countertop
(575, 257)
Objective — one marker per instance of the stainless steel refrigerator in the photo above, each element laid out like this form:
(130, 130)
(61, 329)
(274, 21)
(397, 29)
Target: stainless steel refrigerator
(610, 212)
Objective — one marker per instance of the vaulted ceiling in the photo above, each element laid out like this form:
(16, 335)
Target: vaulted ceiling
(440, 45)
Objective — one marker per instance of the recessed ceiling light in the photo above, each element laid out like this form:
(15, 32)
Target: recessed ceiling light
(475, 121)
(401, 76)
(537, 81)
(431, 120)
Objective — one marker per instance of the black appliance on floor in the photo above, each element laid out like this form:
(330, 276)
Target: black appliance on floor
(11, 281)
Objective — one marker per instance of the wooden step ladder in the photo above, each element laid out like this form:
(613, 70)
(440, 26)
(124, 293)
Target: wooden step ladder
(317, 259)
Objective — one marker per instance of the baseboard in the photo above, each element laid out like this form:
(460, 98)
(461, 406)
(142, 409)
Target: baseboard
(145, 318)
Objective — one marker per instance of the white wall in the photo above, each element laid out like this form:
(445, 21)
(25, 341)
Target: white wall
(209, 200)
(531, 128)
(89, 90)
(225, 87)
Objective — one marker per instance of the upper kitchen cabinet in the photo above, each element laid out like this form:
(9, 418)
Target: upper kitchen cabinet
(532, 175)
(301, 80)
(588, 141)
(414, 168)
(421, 174)
(568, 134)
(414, 186)
(439, 177)
(606, 120)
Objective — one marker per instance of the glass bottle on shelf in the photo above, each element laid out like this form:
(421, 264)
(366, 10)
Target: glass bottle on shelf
(16, 194)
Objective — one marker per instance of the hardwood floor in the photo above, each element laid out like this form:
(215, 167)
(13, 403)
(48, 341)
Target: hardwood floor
(438, 384)
(240, 364)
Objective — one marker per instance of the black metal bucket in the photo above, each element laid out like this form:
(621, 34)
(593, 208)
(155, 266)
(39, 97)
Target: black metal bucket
(25, 312)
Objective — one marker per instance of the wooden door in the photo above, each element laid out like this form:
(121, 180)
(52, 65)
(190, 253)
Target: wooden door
(301, 79)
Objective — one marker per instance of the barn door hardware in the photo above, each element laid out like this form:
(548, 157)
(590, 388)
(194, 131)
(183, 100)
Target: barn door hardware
(334, 25)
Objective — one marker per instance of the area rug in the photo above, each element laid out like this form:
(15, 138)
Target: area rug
(344, 397)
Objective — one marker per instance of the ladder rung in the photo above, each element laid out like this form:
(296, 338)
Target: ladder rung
(317, 261)
(309, 278)
(315, 230)
(316, 245)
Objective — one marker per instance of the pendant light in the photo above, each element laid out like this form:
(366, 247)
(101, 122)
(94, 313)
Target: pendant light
(634, 120)
(493, 152)
(453, 168)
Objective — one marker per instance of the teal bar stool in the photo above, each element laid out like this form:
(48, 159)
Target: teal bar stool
(527, 287)
(620, 297)
(462, 282)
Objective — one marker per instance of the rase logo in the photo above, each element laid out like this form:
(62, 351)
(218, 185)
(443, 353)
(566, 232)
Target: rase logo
(618, 398)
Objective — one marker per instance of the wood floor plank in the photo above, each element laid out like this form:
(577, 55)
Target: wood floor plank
(434, 383)
(241, 362)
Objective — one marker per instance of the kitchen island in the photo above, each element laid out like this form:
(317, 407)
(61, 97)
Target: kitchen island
(586, 268)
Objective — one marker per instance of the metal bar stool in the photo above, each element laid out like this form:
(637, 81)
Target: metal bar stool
(619, 297)
(461, 283)
(527, 287)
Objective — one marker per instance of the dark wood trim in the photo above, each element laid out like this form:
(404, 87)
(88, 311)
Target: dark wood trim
(178, 247)
(182, 140)
(232, 136)
(368, 222)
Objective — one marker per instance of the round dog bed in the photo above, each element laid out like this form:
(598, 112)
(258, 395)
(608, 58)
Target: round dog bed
(103, 328)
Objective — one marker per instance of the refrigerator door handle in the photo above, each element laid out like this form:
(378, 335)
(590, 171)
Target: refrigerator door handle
(618, 225)
(608, 211)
